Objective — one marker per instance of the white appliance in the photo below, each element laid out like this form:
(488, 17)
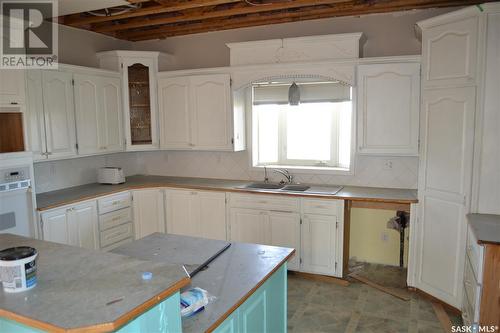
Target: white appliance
(110, 175)
(17, 199)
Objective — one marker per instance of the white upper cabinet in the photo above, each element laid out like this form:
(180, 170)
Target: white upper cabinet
(197, 113)
(175, 115)
(449, 49)
(388, 108)
(59, 113)
(98, 114)
(35, 123)
(139, 74)
(211, 112)
(12, 87)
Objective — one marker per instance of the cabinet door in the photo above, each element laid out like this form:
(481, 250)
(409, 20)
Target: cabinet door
(211, 111)
(12, 86)
(140, 103)
(253, 314)
(248, 226)
(90, 120)
(55, 226)
(59, 113)
(35, 123)
(318, 244)
(174, 103)
(182, 214)
(388, 108)
(284, 230)
(212, 217)
(111, 104)
(444, 190)
(83, 226)
(457, 38)
(149, 213)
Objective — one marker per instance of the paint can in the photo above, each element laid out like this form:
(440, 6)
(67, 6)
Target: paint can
(18, 268)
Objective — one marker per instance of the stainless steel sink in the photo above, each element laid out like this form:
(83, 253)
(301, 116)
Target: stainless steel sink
(264, 186)
(295, 188)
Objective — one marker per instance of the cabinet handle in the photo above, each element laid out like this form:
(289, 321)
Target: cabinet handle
(115, 202)
(14, 103)
(194, 193)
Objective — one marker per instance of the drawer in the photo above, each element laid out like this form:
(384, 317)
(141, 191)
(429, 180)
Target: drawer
(322, 207)
(264, 202)
(115, 245)
(116, 234)
(114, 202)
(475, 254)
(112, 219)
(472, 289)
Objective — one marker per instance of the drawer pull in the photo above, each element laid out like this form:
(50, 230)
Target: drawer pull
(262, 202)
(116, 202)
(320, 207)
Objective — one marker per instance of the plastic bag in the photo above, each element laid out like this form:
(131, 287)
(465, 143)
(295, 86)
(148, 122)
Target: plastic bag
(194, 300)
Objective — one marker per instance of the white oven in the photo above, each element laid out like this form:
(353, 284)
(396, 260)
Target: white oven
(17, 200)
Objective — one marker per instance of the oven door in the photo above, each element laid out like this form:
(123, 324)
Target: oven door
(16, 212)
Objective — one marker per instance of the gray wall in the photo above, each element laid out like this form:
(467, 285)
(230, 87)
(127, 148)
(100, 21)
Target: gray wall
(385, 35)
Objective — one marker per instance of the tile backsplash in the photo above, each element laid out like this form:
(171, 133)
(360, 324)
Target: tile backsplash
(55, 175)
(395, 172)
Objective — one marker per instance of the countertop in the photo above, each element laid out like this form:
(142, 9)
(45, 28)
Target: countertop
(232, 277)
(486, 227)
(63, 197)
(75, 286)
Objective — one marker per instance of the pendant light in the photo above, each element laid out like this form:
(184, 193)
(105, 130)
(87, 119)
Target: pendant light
(294, 94)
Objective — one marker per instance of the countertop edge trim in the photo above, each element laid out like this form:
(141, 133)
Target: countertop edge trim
(104, 327)
(195, 187)
(247, 295)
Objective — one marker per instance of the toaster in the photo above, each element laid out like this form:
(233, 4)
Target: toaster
(110, 175)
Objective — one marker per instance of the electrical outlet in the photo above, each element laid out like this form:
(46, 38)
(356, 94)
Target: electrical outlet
(388, 165)
(384, 237)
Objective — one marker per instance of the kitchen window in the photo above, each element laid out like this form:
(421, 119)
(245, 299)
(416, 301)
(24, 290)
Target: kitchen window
(316, 133)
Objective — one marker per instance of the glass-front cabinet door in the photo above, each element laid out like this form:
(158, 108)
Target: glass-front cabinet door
(141, 123)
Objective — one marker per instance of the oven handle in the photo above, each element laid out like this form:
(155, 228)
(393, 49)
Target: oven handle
(16, 191)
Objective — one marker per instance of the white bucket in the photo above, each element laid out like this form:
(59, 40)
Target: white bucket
(18, 268)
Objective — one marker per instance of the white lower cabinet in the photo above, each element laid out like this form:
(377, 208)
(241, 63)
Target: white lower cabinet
(284, 230)
(318, 244)
(248, 226)
(149, 212)
(196, 213)
(72, 225)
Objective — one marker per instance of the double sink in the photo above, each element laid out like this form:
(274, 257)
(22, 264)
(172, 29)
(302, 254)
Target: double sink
(277, 187)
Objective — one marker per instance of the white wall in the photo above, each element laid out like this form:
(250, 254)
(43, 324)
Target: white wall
(385, 35)
(55, 175)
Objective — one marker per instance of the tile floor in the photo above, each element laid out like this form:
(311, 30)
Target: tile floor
(315, 306)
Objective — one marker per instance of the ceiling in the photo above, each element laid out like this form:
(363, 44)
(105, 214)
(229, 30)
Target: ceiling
(158, 19)
(66, 7)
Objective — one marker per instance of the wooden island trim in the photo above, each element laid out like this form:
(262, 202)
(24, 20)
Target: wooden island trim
(242, 300)
(104, 327)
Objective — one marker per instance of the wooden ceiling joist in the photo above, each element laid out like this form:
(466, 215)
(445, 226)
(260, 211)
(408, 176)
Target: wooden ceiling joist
(166, 18)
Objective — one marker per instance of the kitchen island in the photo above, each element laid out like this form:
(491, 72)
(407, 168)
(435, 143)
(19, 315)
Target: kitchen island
(83, 290)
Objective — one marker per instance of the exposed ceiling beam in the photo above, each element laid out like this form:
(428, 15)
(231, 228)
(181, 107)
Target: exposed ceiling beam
(173, 6)
(239, 9)
(257, 19)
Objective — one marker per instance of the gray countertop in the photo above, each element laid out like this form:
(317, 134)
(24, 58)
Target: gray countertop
(486, 227)
(58, 198)
(231, 277)
(75, 287)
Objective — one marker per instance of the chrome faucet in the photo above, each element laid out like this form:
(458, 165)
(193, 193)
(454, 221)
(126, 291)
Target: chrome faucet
(285, 173)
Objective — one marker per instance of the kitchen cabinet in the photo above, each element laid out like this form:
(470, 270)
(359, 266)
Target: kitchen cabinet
(197, 114)
(319, 244)
(139, 75)
(149, 212)
(284, 230)
(98, 114)
(388, 108)
(196, 213)
(455, 34)
(444, 189)
(12, 87)
(72, 225)
(248, 226)
(51, 114)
